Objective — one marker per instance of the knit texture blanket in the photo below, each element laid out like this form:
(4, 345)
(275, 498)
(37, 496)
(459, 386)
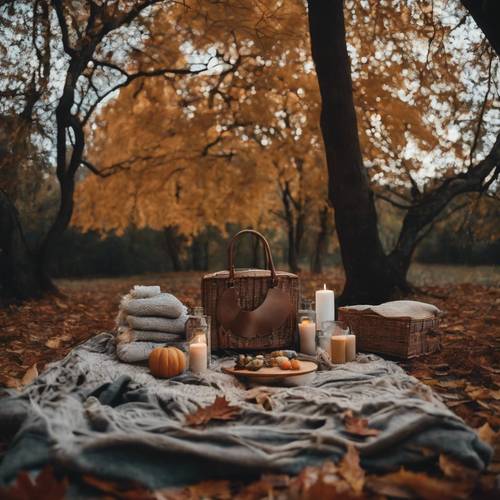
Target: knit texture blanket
(164, 305)
(91, 413)
(401, 309)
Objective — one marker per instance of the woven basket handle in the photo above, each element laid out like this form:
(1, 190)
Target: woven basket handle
(267, 249)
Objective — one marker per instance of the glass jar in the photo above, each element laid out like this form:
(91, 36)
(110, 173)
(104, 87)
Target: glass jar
(307, 336)
(330, 329)
(198, 332)
(307, 310)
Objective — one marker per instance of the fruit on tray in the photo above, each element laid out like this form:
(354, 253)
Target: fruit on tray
(285, 360)
(287, 353)
(285, 364)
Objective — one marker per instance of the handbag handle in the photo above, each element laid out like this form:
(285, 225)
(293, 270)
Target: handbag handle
(267, 249)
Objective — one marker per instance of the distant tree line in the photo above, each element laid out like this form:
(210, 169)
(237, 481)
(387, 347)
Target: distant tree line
(141, 251)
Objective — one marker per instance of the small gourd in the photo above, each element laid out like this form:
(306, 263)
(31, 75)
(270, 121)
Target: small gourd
(166, 362)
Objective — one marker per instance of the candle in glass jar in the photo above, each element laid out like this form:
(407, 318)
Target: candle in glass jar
(307, 333)
(198, 354)
(325, 306)
(338, 349)
(350, 347)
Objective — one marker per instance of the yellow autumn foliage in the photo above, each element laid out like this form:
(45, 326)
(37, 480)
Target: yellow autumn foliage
(221, 146)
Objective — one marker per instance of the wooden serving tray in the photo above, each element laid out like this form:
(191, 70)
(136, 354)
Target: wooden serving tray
(274, 372)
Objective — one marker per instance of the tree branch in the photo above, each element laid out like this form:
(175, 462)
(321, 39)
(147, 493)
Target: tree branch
(433, 202)
(130, 77)
(481, 112)
(391, 201)
(58, 7)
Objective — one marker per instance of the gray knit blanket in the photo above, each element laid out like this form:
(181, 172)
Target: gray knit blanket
(89, 413)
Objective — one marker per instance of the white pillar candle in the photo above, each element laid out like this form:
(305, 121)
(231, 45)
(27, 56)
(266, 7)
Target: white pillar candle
(338, 348)
(198, 355)
(350, 347)
(307, 333)
(325, 306)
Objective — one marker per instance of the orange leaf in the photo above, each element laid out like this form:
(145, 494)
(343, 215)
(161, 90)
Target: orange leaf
(261, 396)
(45, 487)
(418, 484)
(456, 470)
(358, 426)
(351, 471)
(220, 409)
(30, 375)
(125, 489)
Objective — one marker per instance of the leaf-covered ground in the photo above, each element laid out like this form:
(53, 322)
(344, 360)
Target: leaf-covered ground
(466, 372)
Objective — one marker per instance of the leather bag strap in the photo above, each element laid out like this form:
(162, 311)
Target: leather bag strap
(267, 249)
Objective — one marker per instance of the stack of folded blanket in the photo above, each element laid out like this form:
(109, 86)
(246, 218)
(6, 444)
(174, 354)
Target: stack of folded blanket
(147, 319)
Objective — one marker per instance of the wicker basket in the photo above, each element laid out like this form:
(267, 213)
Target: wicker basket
(252, 286)
(396, 337)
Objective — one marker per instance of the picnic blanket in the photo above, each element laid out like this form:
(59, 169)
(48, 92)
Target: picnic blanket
(91, 413)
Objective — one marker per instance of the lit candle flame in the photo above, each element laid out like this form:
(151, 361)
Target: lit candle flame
(324, 286)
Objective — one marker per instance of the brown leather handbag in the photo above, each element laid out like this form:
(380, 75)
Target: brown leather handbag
(251, 309)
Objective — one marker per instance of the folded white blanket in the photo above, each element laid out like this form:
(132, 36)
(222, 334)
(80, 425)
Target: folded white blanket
(126, 334)
(165, 325)
(164, 305)
(134, 352)
(143, 292)
(401, 309)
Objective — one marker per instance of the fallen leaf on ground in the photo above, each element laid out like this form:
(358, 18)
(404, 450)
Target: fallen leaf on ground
(454, 469)
(452, 384)
(410, 484)
(487, 434)
(211, 489)
(266, 487)
(12, 383)
(482, 393)
(358, 426)
(53, 343)
(220, 409)
(261, 396)
(125, 489)
(30, 375)
(45, 487)
(351, 471)
(452, 404)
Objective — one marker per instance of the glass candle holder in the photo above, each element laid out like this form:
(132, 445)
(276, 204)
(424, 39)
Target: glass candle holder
(198, 351)
(307, 336)
(307, 310)
(336, 328)
(338, 342)
(198, 331)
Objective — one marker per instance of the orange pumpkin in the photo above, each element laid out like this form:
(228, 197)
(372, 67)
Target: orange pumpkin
(166, 362)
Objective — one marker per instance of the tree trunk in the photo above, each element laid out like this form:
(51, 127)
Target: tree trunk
(293, 261)
(199, 253)
(293, 242)
(370, 277)
(299, 233)
(321, 241)
(173, 245)
(292, 255)
(256, 253)
(19, 278)
(431, 204)
(60, 224)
